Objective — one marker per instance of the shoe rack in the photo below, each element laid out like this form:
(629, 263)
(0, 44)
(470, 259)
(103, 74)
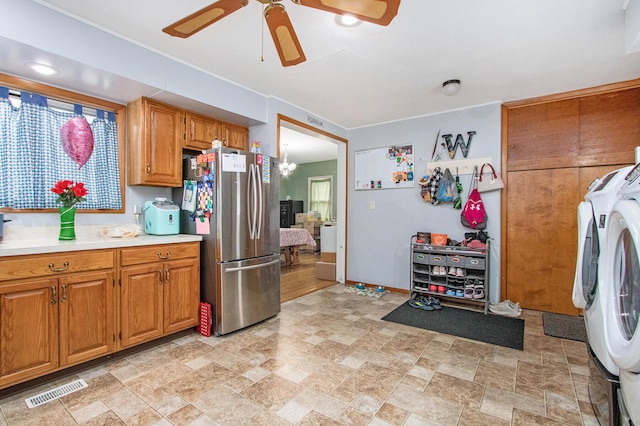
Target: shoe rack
(450, 272)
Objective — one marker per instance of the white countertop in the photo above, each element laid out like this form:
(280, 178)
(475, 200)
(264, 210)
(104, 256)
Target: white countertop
(35, 240)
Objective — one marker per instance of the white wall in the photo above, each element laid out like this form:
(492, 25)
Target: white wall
(379, 239)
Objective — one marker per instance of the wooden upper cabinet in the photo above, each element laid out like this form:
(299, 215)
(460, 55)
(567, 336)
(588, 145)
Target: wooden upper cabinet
(155, 143)
(157, 134)
(543, 131)
(235, 136)
(201, 131)
(610, 124)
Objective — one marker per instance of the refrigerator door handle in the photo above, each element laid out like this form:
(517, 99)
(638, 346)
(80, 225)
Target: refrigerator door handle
(246, 268)
(254, 192)
(250, 207)
(260, 201)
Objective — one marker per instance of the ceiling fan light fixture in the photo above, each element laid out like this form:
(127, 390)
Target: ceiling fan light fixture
(379, 12)
(451, 87)
(347, 20)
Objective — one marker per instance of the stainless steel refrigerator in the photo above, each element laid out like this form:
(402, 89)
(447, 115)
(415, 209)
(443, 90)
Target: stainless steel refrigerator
(231, 197)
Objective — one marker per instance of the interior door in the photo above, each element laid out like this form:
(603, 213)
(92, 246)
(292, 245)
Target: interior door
(541, 238)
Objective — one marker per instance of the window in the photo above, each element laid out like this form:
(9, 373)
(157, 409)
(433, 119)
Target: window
(321, 196)
(33, 157)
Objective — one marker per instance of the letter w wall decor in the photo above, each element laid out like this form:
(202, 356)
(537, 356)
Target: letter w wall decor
(464, 146)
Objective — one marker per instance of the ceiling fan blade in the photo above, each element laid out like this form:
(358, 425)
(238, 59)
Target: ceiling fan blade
(195, 22)
(284, 37)
(379, 12)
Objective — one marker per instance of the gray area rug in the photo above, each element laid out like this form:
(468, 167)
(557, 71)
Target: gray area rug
(564, 326)
(494, 329)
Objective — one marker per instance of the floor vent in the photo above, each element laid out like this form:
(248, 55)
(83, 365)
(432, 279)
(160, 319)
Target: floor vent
(56, 393)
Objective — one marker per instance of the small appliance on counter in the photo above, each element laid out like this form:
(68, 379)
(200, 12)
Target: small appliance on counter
(161, 217)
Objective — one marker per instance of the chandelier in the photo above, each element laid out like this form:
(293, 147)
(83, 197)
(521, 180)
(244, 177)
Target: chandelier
(286, 168)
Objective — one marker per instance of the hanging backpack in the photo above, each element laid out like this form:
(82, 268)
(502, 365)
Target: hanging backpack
(473, 214)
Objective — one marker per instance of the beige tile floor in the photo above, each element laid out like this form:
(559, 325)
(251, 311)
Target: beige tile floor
(328, 359)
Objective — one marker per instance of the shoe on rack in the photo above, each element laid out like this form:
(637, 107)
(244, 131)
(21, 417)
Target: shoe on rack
(441, 289)
(478, 292)
(452, 271)
(468, 291)
(459, 293)
(450, 292)
(433, 288)
(459, 272)
(506, 308)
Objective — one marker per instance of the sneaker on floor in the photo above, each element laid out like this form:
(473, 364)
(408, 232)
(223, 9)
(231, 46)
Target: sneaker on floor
(506, 308)
(418, 304)
(430, 301)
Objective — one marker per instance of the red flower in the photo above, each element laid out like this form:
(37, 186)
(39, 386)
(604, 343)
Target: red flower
(69, 192)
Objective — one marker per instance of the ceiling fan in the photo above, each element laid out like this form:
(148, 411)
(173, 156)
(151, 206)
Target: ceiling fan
(379, 12)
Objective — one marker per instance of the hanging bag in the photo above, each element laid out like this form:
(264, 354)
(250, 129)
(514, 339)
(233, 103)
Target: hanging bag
(473, 214)
(490, 181)
(447, 189)
(434, 185)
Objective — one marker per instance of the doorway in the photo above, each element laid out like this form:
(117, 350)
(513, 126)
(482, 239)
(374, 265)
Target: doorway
(315, 146)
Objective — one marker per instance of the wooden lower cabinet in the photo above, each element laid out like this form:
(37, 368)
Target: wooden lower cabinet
(87, 317)
(47, 324)
(28, 330)
(158, 298)
(62, 309)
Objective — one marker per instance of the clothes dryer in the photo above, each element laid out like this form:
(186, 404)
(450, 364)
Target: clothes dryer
(587, 292)
(621, 254)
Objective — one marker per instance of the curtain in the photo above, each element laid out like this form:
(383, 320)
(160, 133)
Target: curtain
(32, 159)
(320, 197)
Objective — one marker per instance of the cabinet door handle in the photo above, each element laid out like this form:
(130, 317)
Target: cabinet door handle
(63, 299)
(164, 257)
(148, 169)
(160, 279)
(65, 266)
(166, 276)
(54, 295)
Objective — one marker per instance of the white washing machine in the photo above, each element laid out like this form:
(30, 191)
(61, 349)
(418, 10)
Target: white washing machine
(622, 296)
(588, 293)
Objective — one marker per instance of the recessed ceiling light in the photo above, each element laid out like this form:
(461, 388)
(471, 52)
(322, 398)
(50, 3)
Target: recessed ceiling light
(41, 68)
(347, 20)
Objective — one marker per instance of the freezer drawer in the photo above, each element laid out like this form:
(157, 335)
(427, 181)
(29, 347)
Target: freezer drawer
(249, 292)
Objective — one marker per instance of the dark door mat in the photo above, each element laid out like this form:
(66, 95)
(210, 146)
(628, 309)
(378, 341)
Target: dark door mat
(494, 329)
(564, 326)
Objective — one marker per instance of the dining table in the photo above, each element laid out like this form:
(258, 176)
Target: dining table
(290, 241)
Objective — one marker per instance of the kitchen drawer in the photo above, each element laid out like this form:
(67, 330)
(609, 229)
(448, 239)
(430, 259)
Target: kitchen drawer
(161, 252)
(421, 258)
(437, 259)
(53, 264)
(475, 263)
(457, 261)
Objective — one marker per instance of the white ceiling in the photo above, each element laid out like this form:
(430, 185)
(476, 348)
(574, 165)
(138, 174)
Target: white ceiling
(502, 50)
